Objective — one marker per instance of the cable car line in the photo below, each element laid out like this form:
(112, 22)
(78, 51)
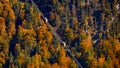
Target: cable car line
(56, 35)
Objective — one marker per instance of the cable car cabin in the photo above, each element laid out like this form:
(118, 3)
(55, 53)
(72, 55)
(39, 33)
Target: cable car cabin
(46, 20)
(64, 44)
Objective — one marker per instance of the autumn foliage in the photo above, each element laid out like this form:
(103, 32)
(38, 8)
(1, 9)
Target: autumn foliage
(91, 30)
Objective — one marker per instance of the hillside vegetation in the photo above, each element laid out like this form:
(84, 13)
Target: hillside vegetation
(91, 30)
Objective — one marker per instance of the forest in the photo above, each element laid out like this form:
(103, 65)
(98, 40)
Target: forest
(90, 29)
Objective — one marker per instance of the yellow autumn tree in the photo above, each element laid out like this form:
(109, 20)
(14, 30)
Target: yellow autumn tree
(22, 5)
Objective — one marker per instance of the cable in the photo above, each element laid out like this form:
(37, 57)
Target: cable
(57, 36)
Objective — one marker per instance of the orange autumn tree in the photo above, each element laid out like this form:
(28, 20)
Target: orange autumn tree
(63, 60)
(55, 65)
(3, 26)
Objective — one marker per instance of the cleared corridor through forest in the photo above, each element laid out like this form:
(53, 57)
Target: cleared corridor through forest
(56, 35)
